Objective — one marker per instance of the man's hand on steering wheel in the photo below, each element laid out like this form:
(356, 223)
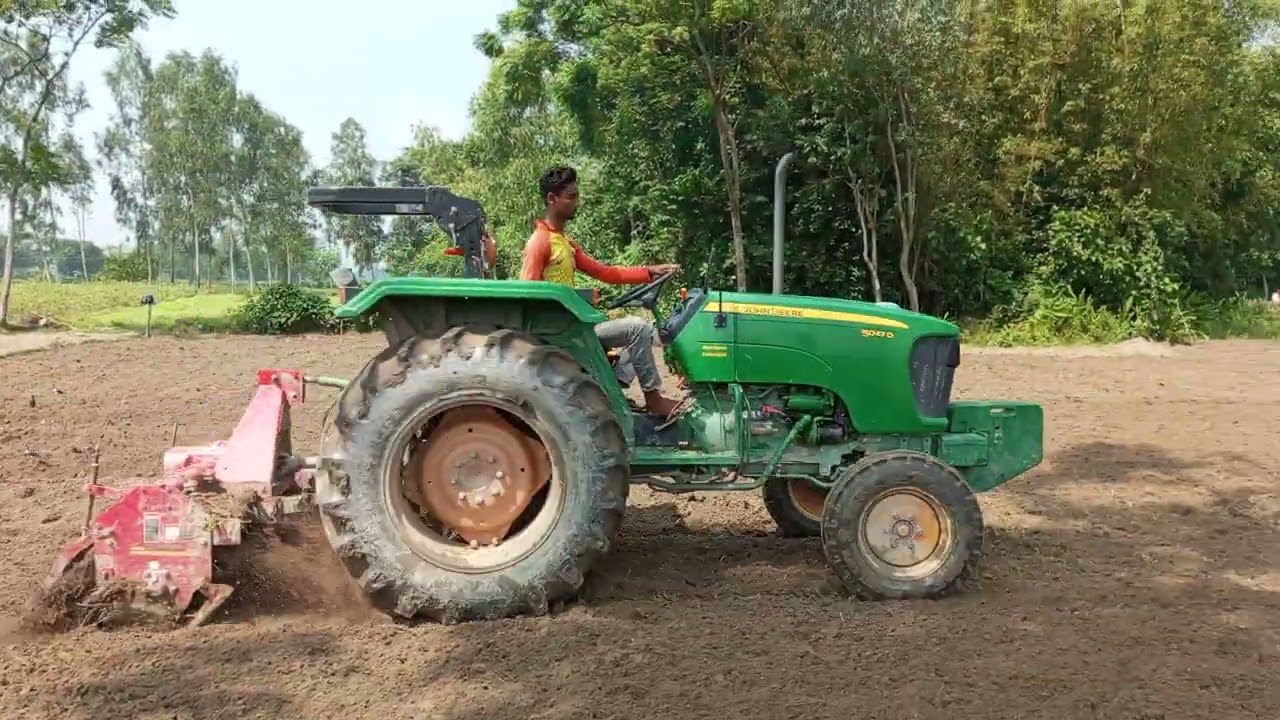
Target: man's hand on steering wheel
(646, 294)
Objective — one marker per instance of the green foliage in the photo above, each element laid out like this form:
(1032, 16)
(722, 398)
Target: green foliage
(285, 309)
(123, 267)
(1053, 318)
(1067, 318)
(1076, 175)
(1235, 317)
(39, 155)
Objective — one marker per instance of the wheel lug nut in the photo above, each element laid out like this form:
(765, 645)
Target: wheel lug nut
(499, 475)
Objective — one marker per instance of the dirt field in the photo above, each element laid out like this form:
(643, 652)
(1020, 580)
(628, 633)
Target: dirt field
(1134, 575)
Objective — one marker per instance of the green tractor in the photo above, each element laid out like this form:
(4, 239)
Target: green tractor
(479, 466)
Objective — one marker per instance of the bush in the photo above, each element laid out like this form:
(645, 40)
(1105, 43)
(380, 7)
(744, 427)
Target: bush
(285, 309)
(124, 267)
(1044, 318)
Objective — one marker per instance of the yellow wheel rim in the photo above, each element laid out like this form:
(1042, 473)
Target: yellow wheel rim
(906, 533)
(807, 498)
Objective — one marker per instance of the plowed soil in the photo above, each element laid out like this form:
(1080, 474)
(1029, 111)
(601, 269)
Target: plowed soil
(1136, 574)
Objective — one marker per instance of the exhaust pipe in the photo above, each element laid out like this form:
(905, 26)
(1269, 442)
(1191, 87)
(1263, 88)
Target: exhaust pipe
(779, 217)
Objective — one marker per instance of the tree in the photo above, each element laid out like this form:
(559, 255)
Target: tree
(122, 149)
(603, 59)
(352, 165)
(37, 45)
(189, 158)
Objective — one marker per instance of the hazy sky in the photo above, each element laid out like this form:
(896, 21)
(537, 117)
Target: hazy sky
(387, 63)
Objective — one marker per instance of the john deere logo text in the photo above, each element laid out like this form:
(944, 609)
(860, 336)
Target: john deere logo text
(803, 314)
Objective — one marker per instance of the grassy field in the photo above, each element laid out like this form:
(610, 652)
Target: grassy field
(117, 305)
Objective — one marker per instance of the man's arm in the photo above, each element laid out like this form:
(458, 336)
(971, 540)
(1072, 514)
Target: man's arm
(537, 253)
(612, 274)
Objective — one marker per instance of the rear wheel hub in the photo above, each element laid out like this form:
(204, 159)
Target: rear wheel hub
(476, 473)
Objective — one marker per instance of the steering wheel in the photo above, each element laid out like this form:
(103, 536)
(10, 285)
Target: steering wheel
(647, 294)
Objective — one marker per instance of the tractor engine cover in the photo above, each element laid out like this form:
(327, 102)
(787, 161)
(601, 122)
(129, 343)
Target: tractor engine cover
(893, 369)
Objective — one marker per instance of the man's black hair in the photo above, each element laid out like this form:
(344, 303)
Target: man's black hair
(556, 179)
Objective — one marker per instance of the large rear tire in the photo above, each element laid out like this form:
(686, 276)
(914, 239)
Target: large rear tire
(408, 566)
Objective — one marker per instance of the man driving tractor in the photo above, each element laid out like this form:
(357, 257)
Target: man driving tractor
(550, 255)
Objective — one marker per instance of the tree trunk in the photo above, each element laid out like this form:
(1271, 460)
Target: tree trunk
(248, 263)
(8, 258)
(173, 259)
(867, 202)
(84, 264)
(195, 249)
(733, 179)
(51, 250)
(231, 258)
(729, 156)
(904, 203)
(288, 266)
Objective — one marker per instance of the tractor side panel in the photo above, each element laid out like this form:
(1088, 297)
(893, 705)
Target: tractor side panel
(702, 348)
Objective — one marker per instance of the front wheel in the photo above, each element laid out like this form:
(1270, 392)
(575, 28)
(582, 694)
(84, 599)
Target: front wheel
(902, 525)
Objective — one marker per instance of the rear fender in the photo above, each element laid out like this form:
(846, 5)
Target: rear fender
(553, 313)
(471, 289)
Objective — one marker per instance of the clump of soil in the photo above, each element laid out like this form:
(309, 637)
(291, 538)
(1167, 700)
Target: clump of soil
(74, 600)
(288, 568)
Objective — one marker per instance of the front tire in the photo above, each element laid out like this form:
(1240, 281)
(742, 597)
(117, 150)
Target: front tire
(902, 525)
(413, 565)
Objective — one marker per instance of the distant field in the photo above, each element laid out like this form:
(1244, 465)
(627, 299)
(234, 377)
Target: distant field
(117, 305)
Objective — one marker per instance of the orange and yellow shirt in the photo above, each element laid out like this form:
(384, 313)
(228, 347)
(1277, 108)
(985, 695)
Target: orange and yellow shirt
(549, 255)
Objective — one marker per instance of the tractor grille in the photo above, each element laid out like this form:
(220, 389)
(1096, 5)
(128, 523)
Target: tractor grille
(933, 368)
